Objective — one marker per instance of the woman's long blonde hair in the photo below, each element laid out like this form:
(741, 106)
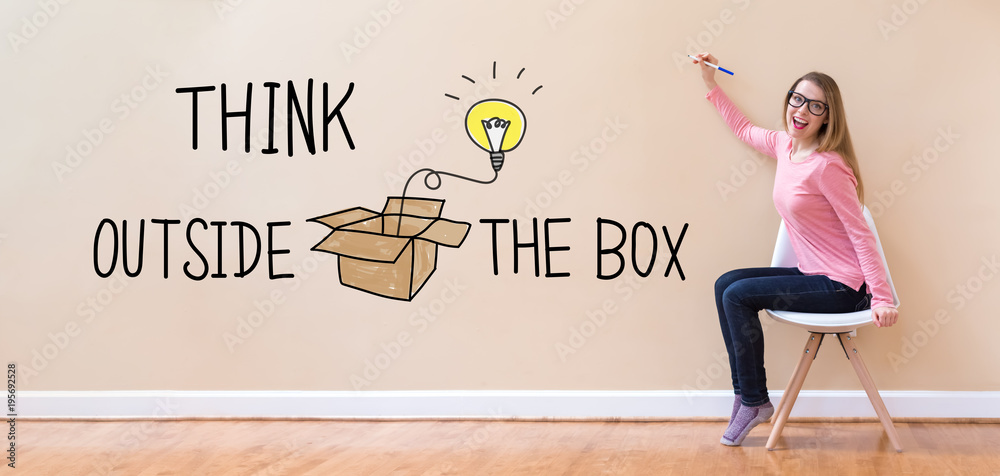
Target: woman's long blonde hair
(834, 135)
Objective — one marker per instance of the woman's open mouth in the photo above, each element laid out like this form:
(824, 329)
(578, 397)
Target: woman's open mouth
(799, 124)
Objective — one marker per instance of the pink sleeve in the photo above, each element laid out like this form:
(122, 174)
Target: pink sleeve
(763, 140)
(838, 185)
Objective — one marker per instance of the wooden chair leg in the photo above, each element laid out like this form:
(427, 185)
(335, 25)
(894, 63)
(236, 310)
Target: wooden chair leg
(866, 381)
(788, 388)
(793, 388)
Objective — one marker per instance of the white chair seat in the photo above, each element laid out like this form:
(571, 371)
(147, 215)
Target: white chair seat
(824, 323)
(831, 323)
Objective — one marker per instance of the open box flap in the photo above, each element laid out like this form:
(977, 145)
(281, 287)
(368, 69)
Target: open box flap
(363, 234)
(445, 232)
(345, 217)
(363, 245)
(421, 207)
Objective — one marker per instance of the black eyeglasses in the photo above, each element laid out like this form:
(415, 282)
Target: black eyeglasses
(816, 107)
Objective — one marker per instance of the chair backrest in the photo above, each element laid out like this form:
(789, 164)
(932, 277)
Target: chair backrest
(784, 255)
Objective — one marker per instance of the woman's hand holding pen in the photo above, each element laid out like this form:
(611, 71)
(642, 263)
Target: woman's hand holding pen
(707, 72)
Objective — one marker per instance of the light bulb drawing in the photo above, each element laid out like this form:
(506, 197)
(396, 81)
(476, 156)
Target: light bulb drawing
(496, 126)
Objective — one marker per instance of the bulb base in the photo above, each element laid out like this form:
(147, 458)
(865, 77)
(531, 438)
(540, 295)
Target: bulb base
(496, 158)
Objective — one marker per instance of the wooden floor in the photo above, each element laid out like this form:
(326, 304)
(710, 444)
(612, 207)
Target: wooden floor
(494, 447)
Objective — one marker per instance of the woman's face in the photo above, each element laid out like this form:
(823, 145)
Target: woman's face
(803, 123)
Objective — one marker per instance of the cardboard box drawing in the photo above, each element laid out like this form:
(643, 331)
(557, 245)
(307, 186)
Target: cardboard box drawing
(393, 253)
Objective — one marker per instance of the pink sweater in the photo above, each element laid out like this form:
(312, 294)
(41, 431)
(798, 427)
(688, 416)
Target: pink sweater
(818, 200)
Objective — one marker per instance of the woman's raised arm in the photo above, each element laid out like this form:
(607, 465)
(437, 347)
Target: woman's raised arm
(764, 140)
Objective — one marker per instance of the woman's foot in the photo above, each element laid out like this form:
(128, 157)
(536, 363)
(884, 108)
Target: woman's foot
(744, 421)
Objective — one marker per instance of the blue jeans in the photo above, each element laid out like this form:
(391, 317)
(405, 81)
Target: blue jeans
(740, 294)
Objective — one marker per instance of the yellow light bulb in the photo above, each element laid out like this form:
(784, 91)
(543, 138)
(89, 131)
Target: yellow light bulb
(496, 126)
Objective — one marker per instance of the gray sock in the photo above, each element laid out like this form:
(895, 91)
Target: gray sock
(736, 408)
(746, 418)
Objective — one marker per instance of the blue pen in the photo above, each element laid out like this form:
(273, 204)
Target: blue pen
(720, 68)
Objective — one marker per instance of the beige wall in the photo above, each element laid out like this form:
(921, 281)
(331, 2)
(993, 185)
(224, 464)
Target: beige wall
(907, 70)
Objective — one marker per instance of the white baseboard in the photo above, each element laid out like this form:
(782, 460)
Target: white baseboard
(489, 404)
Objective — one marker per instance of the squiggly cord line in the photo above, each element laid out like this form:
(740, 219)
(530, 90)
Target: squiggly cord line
(430, 186)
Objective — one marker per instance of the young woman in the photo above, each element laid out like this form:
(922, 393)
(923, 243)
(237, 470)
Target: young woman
(818, 192)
